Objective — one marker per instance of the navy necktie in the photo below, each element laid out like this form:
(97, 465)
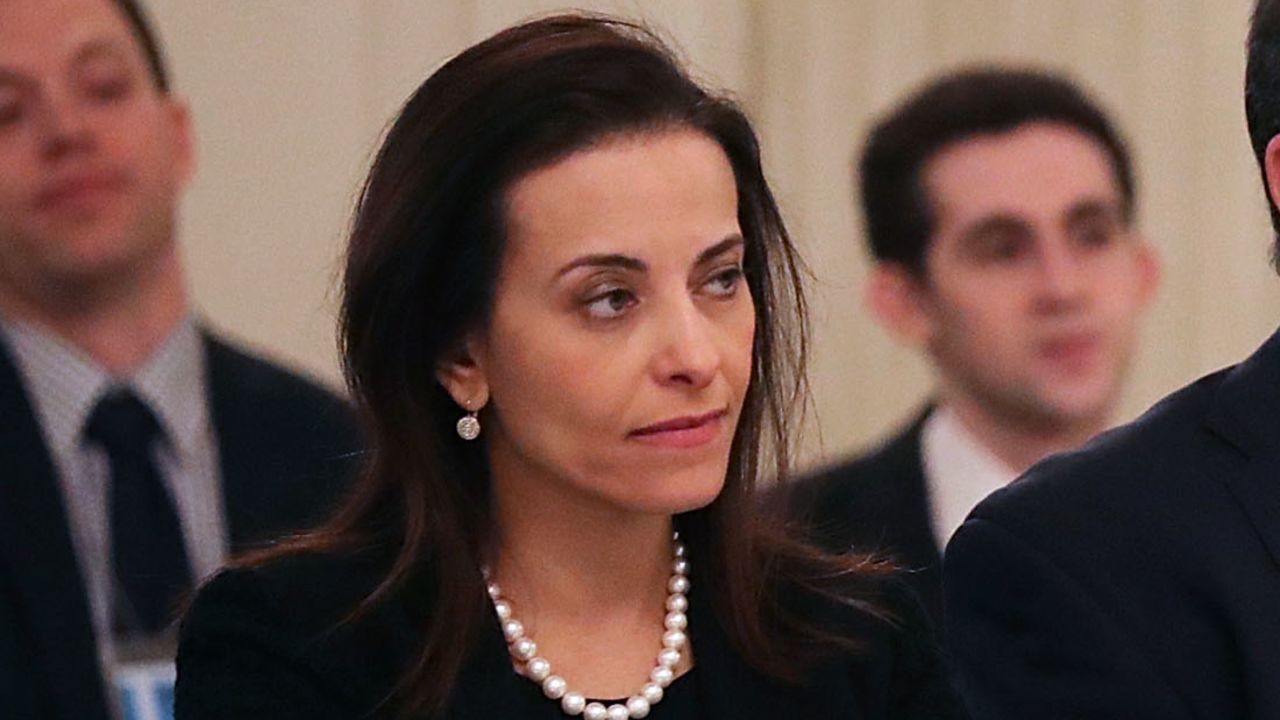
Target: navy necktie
(147, 550)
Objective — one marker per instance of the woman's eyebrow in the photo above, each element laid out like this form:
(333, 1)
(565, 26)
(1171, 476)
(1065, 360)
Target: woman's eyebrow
(616, 260)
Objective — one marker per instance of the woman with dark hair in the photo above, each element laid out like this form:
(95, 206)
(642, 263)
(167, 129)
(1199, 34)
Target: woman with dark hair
(573, 322)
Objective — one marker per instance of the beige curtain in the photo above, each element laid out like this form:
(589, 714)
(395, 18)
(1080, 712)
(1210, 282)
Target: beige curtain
(289, 98)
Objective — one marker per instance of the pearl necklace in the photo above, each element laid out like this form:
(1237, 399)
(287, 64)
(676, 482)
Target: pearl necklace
(525, 651)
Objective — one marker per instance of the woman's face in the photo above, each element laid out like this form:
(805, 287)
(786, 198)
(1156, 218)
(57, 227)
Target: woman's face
(620, 344)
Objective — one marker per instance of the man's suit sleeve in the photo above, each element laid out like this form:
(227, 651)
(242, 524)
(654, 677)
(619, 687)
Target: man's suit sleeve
(1030, 641)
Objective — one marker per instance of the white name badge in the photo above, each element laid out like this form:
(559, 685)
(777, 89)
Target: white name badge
(145, 690)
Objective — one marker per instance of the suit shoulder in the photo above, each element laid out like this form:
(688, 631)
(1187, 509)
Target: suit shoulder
(256, 375)
(308, 591)
(1121, 467)
(268, 399)
(862, 480)
(281, 636)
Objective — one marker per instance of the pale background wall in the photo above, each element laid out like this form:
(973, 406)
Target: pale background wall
(290, 97)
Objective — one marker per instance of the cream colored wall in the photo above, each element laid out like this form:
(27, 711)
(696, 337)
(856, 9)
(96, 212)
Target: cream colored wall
(290, 96)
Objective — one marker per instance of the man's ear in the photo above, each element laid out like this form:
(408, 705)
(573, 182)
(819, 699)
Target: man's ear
(897, 298)
(1271, 168)
(462, 374)
(1150, 270)
(182, 137)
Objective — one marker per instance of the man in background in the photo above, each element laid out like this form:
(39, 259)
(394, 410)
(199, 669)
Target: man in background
(137, 449)
(999, 209)
(1140, 576)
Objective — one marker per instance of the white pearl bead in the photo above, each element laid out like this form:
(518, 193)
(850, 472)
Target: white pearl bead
(595, 711)
(637, 707)
(554, 687)
(538, 668)
(677, 603)
(573, 703)
(680, 566)
(495, 592)
(524, 648)
(669, 657)
(679, 551)
(674, 639)
(652, 692)
(503, 609)
(513, 630)
(676, 621)
(662, 676)
(618, 712)
(679, 584)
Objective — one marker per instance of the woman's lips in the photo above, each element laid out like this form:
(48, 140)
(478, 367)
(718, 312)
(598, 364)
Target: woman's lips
(683, 432)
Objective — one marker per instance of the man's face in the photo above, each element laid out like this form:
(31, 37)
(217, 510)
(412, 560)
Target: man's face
(92, 155)
(1034, 281)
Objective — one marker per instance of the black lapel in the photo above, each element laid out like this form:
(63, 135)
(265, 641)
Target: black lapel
(923, 545)
(36, 550)
(239, 461)
(286, 448)
(921, 552)
(1246, 413)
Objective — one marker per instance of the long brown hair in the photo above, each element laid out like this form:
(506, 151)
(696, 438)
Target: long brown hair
(426, 244)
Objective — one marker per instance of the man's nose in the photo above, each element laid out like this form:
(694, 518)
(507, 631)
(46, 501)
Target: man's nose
(1062, 275)
(65, 126)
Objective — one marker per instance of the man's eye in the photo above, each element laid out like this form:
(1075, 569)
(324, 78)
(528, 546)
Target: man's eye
(10, 112)
(108, 90)
(1001, 249)
(1095, 235)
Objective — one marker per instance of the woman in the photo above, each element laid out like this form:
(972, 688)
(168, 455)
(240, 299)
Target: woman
(572, 320)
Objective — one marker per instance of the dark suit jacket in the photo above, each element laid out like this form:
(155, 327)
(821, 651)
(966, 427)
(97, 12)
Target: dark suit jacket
(285, 447)
(880, 503)
(264, 643)
(1138, 577)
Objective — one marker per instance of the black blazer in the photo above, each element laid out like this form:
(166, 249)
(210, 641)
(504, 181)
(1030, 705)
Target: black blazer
(880, 503)
(285, 447)
(267, 643)
(1138, 577)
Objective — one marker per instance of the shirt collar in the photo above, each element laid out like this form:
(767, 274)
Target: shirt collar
(171, 382)
(960, 469)
(65, 383)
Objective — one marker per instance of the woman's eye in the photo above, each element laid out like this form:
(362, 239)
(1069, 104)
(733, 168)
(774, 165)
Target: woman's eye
(725, 283)
(610, 304)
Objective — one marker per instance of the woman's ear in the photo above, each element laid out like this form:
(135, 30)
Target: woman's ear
(462, 374)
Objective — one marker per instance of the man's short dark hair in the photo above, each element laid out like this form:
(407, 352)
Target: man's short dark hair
(979, 101)
(1262, 95)
(148, 40)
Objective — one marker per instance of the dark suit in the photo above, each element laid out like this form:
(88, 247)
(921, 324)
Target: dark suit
(267, 643)
(880, 502)
(285, 448)
(1138, 577)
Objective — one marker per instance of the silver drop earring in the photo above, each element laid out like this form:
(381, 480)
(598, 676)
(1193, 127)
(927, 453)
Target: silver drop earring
(469, 426)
